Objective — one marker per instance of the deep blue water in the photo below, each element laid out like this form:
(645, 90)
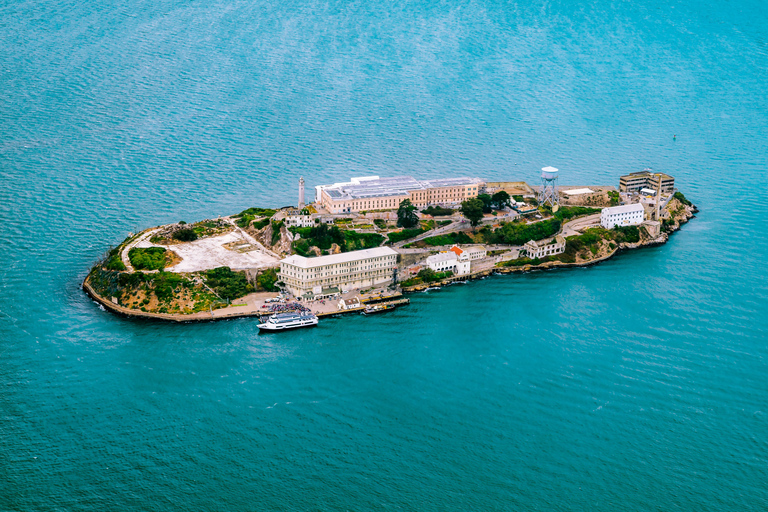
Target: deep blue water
(638, 384)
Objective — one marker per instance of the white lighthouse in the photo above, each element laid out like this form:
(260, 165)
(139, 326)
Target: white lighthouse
(301, 193)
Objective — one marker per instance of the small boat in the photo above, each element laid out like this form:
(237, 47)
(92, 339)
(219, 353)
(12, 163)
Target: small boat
(285, 321)
(379, 308)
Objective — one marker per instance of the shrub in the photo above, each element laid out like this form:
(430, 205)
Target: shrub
(569, 212)
(380, 223)
(405, 234)
(438, 211)
(147, 258)
(185, 235)
(114, 262)
(680, 197)
(457, 237)
(276, 231)
(519, 233)
(629, 234)
(267, 279)
(256, 212)
(228, 284)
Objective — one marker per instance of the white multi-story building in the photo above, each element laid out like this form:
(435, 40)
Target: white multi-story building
(471, 253)
(624, 215)
(346, 271)
(448, 261)
(543, 249)
(298, 220)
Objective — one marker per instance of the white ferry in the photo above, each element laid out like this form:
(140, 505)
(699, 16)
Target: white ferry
(284, 321)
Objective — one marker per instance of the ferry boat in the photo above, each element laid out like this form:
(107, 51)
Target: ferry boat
(285, 321)
(379, 308)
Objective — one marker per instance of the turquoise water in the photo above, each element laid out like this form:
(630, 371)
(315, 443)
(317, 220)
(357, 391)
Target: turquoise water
(638, 384)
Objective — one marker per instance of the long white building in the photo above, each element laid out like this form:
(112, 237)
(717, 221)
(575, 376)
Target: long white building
(345, 271)
(624, 215)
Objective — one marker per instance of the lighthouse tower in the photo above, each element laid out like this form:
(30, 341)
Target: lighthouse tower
(301, 193)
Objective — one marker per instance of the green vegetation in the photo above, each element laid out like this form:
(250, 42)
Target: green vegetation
(519, 262)
(323, 237)
(630, 234)
(267, 279)
(406, 214)
(517, 233)
(405, 234)
(444, 222)
(228, 284)
(276, 231)
(256, 212)
(354, 241)
(500, 199)
(457, 237)
(184, 235)
(113, 261)
(261, 224)
(614, 197)
(680, 197)
(426, 275)
(380, 223)
(438, 211)
(472, 209)
(343, 221)
(569, 212)
(147, 258)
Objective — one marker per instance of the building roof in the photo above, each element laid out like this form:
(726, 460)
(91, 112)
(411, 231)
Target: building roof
(373, 186)
(443, 256)
(332, 259)
(457, 250)
(625, 208)
(578, 191)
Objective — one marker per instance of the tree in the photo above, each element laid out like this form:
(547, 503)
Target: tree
(500, 199)
(472, 209)
(487, 202)
(406, 214)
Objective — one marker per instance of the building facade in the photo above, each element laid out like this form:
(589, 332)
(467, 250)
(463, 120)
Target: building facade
(636, 181)
(346, 271)
(624, 215)
(375, 193)
(541, 250)
(448, 262)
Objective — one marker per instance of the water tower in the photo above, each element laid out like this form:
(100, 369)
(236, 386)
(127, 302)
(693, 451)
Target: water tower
(548, 193)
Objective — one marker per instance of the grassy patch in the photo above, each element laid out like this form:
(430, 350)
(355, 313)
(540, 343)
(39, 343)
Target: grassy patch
(276, 231)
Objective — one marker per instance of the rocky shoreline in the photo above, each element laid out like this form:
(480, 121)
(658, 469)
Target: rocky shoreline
(662, 239)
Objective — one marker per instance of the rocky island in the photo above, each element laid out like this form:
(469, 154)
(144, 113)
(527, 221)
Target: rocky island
(373, 239)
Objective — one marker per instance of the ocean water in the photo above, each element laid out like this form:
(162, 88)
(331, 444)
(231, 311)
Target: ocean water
(637, 384)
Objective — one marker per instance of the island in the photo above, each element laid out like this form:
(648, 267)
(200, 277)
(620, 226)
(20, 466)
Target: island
(366, 243)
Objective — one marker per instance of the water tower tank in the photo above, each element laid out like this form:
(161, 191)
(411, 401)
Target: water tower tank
(549, 173)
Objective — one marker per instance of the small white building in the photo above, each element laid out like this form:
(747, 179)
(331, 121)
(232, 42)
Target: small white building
(349, 303)
(624, 215)
(295, 219)
(543, 249)
(448, 261)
